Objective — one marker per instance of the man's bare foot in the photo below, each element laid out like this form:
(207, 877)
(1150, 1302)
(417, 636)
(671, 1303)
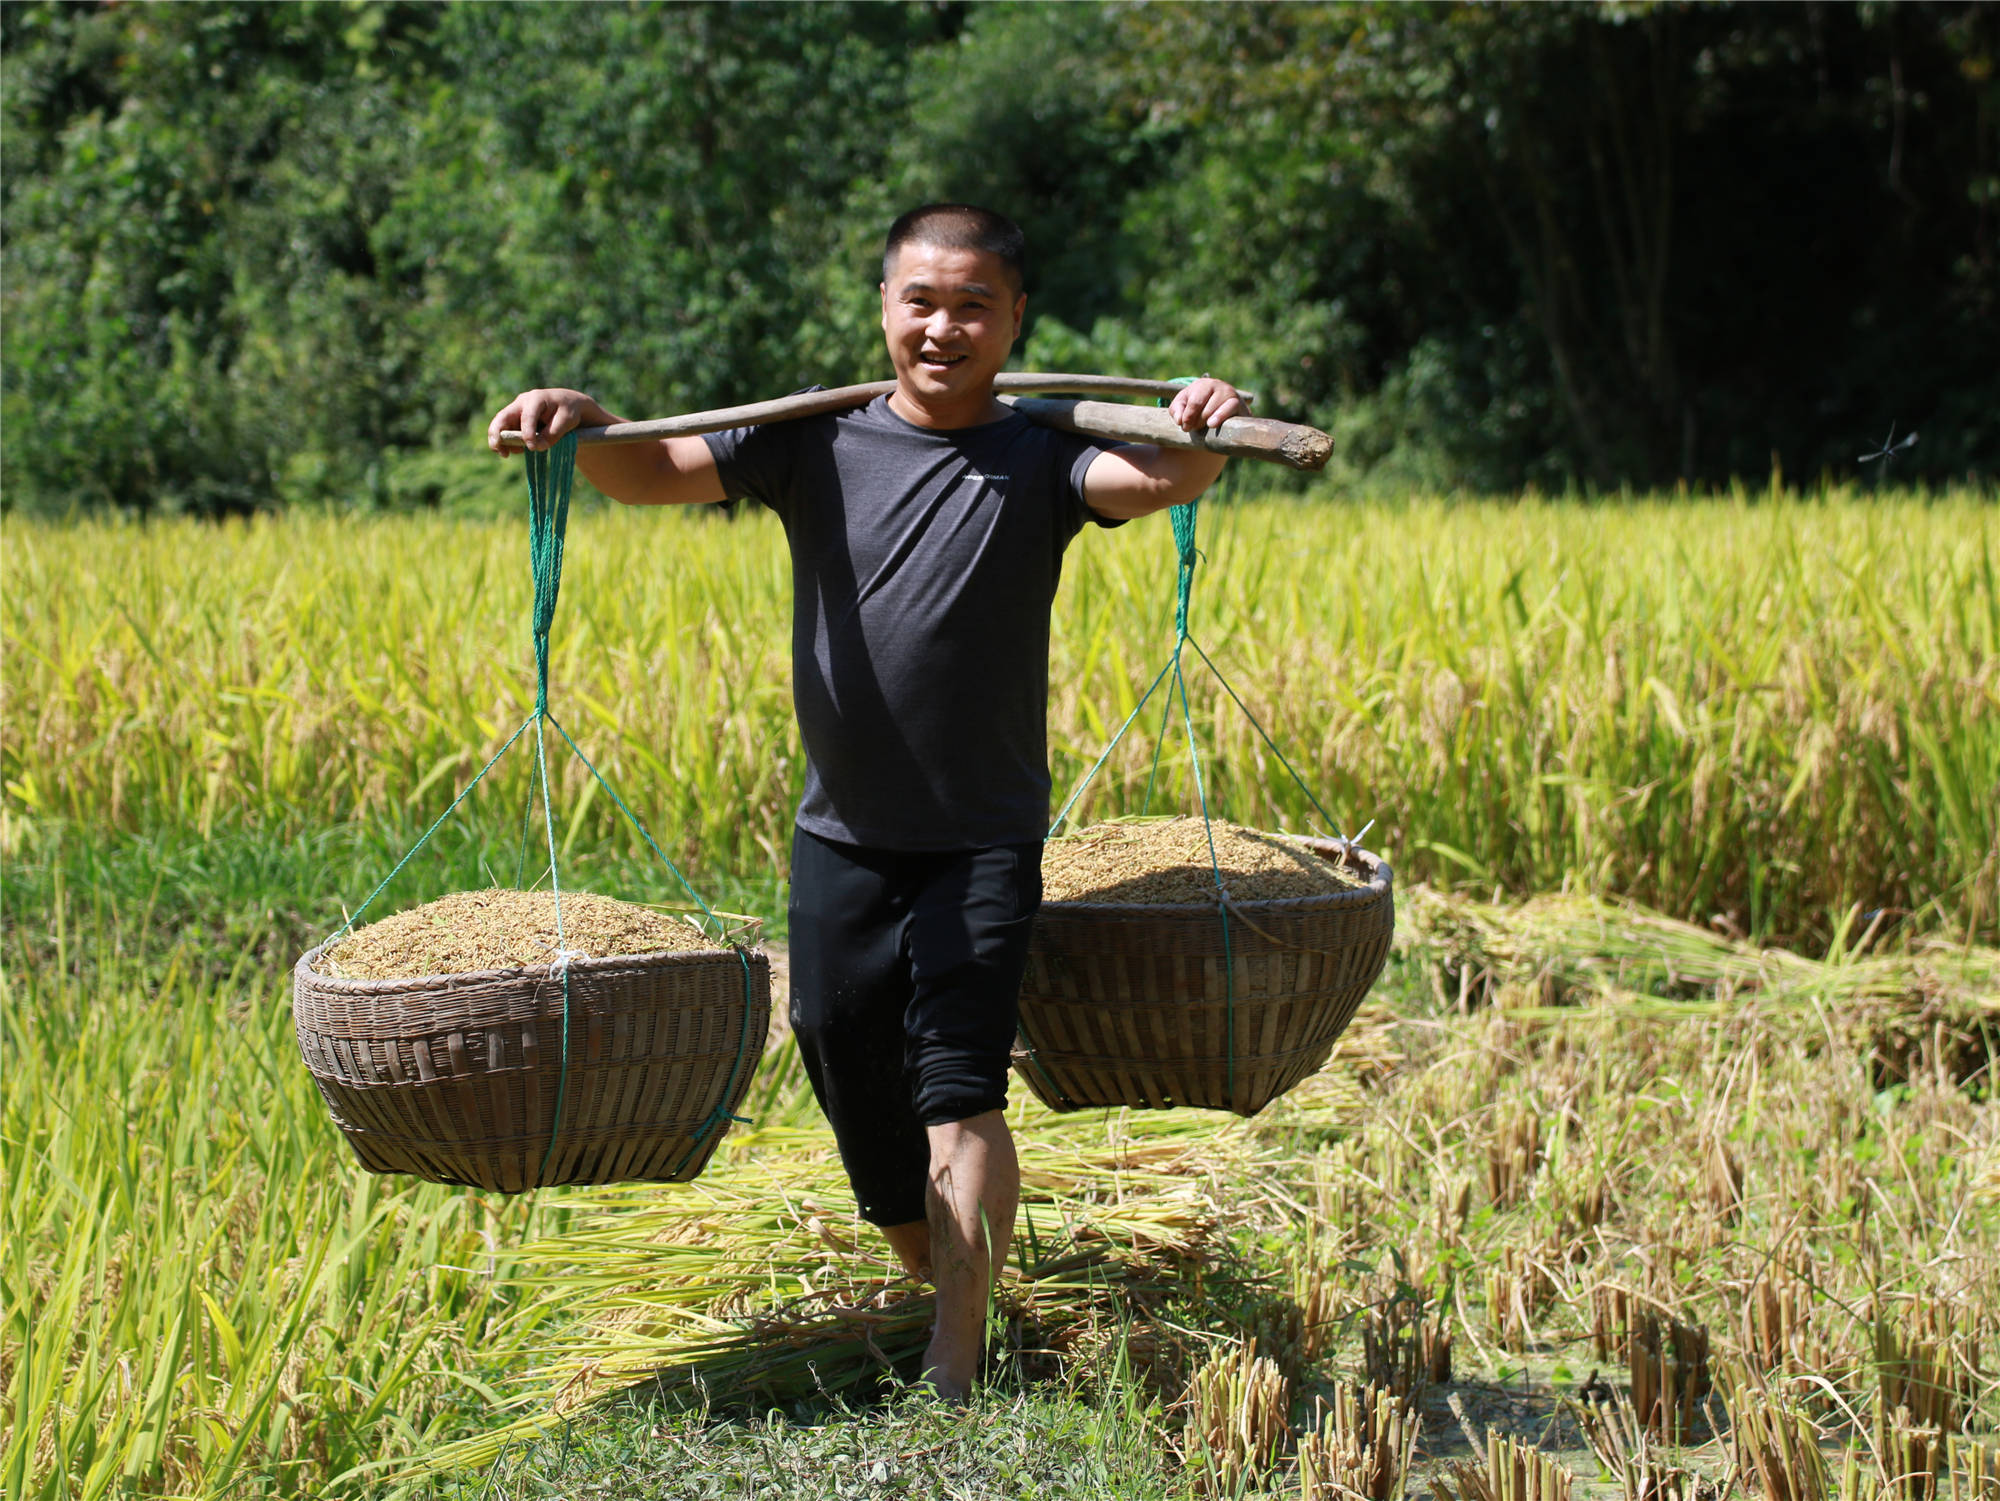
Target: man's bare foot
(947, 1375)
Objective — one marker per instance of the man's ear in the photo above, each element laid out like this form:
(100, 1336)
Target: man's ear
(1020, 314)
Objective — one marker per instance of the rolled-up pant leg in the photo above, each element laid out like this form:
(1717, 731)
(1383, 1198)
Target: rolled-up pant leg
(968, 946)
(906, 978)
(850, 988)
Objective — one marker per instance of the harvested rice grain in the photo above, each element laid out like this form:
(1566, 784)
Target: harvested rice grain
(1165, 862)
(503, 929)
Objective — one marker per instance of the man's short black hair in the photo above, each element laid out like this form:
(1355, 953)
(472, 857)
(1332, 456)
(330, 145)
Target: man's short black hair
(961, 226)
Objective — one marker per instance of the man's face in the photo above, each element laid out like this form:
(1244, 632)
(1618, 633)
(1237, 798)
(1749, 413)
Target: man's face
(950, 318)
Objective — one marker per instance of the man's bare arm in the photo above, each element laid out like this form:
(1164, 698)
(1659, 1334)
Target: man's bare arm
(671, 472)
(1139, 480)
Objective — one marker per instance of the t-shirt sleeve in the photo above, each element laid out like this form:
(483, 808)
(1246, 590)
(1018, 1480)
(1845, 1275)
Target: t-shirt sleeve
(1083, 453)
(759, 462)
(754, 462)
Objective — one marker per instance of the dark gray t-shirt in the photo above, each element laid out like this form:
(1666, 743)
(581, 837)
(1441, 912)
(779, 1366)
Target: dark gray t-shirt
(924, 564)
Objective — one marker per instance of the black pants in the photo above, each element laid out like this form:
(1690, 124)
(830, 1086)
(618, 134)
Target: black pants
(906, 981)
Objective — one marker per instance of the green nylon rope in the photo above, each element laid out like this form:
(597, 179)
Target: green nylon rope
(1184, 518)
(551, 475)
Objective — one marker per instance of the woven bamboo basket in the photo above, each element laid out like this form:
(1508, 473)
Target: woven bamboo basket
(1133, 1005)
(455, 1078)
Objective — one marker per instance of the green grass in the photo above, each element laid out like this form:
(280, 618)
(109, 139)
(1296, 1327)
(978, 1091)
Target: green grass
(1031, 1447)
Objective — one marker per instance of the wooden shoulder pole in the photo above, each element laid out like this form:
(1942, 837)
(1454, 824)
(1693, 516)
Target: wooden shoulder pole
(1241, 437)
(1275, 442)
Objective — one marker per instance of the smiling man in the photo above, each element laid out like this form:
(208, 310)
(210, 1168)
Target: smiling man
(927, 532)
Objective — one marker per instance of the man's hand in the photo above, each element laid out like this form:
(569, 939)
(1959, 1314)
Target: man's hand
(544, 415)
(1141, 479)
(669, 472)
(1206, 403)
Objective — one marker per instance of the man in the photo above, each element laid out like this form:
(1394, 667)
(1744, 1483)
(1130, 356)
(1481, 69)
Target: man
(926, 532)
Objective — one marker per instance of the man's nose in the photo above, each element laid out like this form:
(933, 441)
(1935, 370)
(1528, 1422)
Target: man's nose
(939, 323)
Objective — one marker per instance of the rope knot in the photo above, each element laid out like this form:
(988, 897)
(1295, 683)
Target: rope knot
(715, 1118)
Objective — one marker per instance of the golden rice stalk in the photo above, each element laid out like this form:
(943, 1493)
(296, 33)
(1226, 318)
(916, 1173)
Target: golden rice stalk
(1512, 1472)
(1601, 950)
(1361, 1448)
(1777, 1316)
(1669, 1367)
(1721, 1173)
(1911, 1455)
(1434, 1344)
(746, 1282)
(175, 675)
(1612, 1306)
(1972, 1470)
(1406, 1339)
(1451, 1207)
(1925, 1364)
(1277, 1326)
(1627, 1451)
(1587, 1200)
(1517, 1291)
(1236, 1421)
(1513, 1155)
(1776, 1442)
(1320, 1306)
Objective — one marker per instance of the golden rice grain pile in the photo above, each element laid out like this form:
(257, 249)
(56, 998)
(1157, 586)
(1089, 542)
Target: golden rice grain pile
(1165, 862)
(503, 929)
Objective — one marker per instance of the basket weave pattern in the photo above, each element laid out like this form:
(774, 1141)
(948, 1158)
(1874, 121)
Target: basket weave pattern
(455, 1078)
(1132, 1005)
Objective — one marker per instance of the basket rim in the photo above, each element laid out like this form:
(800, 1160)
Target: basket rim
(1380, 887)
(534, 973)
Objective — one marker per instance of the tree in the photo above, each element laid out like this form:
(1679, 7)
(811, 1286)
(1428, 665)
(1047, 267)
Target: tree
(1693, 235)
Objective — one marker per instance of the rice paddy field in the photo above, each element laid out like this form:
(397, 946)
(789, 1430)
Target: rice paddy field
(1662, 1164)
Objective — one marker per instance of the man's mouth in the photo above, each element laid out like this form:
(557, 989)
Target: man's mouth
(931, 360)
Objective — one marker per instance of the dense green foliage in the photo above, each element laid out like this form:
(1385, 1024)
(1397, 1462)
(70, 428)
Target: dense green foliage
(259, 252)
